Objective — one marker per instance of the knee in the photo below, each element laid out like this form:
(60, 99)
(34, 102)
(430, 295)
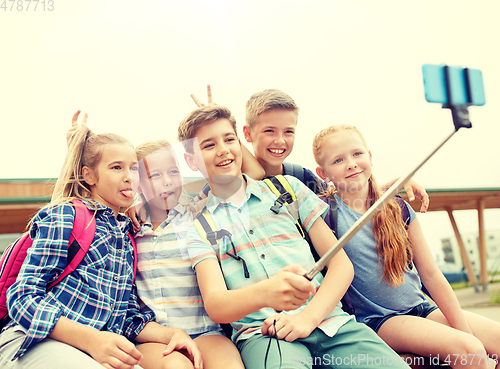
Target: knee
(177, 362)
(472, 347)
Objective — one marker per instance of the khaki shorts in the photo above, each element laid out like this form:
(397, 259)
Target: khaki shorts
(46, 354)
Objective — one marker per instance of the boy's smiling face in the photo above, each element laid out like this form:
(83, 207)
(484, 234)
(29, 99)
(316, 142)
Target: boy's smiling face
(218, 153)
(272, 137)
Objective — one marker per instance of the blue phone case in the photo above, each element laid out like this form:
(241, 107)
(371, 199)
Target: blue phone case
(476, 87)
(435, 85)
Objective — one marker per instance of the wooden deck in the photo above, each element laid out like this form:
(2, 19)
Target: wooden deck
(20, 199)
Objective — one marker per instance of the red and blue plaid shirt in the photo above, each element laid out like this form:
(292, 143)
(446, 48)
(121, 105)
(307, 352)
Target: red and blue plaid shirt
(100, 293)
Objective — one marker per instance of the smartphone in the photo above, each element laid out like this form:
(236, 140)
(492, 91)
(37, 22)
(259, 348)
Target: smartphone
(466, 85)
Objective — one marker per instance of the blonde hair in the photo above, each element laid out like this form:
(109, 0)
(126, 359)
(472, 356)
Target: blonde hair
(266, 100)
(85, 150)
(150, 147)
(393, 245)
(197, 119)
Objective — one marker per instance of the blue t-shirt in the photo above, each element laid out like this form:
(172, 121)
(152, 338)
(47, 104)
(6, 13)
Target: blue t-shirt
(370, 295)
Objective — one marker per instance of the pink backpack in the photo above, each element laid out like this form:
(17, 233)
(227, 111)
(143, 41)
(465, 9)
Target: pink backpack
(80, 240)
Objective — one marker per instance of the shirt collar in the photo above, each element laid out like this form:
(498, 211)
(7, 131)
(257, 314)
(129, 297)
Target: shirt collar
(123, 221)
(147, 227)
(252, 189)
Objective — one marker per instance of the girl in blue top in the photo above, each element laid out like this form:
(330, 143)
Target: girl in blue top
(390, 262)
(89, 319)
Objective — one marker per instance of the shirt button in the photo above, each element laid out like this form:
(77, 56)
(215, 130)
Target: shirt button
(116, 278)
(239, 210)
(250, 231)
(262, 256)
(112, 306)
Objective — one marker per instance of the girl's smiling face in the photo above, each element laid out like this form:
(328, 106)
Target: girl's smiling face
(346, 161)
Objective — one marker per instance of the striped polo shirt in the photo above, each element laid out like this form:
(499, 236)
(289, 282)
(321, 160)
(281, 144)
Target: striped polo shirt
(266, 241)
(166, 283)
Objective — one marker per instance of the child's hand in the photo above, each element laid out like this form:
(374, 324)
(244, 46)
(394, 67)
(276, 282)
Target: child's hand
(113, 351)
(75, 125)
(288, 327)
(132, 214)
(412, 188)
(209, 98)
(288, 289)
(181, 341)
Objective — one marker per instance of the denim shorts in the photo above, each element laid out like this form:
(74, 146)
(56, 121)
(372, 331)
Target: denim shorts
(208, 333)
(422, 310)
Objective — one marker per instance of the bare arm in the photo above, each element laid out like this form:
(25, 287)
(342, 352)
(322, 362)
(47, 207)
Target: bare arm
(109, 349)
(337, 279)
(286, 290)
(412, 188)
(434, 280)
(175, 338)
(251, 166)
(339, 274)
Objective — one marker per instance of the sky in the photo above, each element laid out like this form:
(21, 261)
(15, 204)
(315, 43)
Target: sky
(131, 66)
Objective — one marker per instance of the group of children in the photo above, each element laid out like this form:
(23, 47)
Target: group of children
(250, 275)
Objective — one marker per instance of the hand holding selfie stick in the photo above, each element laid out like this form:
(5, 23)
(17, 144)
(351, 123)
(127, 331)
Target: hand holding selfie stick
(460, 116)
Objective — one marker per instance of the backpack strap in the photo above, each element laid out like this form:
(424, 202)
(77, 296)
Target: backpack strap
(82, 235)
(294, 170)
(280, 186)
(332, 215)
(134, 245)
(331, 219)
(405, 212)
(205, 225)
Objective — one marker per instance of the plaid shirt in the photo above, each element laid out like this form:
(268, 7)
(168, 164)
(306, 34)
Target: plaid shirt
(99, 293)
(266, 241)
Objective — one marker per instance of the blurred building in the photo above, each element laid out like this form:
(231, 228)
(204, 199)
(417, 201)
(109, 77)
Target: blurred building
(452, 254)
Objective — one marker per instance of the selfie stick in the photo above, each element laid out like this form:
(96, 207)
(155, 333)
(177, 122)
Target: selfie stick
(460, 116)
